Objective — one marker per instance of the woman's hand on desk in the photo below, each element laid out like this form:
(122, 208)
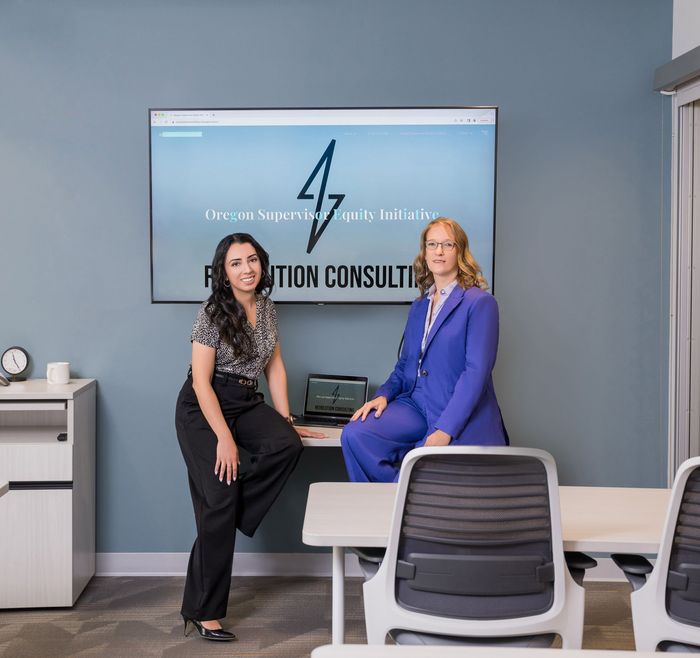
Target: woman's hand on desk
(379, 404)
(311, 434)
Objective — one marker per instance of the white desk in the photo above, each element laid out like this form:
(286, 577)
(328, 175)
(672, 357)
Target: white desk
(393, 651)
(332, 439)
(594, 519)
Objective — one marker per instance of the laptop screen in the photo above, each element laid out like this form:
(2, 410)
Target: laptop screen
(334, 396)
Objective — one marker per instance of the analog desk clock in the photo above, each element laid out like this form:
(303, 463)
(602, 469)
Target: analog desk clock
(15, 362)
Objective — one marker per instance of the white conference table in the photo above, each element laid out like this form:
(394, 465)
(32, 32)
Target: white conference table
(594, 520)
(393, 651)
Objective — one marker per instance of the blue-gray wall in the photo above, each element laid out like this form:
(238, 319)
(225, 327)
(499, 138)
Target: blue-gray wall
(582, 215)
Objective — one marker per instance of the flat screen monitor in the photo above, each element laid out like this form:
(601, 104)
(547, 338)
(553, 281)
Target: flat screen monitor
(337, 197)
(330, 395)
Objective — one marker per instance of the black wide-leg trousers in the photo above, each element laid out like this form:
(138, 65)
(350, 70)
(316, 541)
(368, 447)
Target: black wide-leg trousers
(274, 448)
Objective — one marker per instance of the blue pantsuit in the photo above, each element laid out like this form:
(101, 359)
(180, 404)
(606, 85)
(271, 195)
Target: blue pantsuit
(454, 391)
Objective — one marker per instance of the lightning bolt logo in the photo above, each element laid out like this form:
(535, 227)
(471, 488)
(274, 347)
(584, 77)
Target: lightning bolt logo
(324, 162)
(336, 394)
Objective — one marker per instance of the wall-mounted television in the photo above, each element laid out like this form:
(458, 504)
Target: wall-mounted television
(338, 197)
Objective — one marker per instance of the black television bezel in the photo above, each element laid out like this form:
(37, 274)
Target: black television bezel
(492, 284)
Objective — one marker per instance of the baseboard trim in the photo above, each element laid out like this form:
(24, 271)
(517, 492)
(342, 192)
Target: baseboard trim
(244, 564)
(266, 564)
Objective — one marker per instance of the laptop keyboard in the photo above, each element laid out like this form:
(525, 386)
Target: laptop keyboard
(323, 422)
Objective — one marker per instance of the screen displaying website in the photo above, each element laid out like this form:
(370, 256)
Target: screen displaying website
(338, 198)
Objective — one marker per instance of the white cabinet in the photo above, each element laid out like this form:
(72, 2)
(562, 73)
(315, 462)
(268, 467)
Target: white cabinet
(47, 514)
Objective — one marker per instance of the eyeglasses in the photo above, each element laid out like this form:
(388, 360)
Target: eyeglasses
(447, 245)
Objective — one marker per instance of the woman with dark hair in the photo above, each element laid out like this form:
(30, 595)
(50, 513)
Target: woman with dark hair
(234, 339)
(441, 391)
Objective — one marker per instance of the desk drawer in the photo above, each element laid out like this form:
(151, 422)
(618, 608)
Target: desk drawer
(36, 462)
(36, 441)
(32, 406)
(35, 550)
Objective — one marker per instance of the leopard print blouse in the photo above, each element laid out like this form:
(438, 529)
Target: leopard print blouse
(264, 338)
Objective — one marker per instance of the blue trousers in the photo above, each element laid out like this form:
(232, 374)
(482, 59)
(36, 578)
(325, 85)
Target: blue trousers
(372, 448)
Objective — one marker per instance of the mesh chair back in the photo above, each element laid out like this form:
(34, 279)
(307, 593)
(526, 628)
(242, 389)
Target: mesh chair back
(683, 580)
(476, 538)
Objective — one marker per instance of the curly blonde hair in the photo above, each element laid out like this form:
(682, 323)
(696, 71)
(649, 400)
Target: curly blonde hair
(469, 272)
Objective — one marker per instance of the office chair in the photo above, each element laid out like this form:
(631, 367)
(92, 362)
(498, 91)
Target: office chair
(475, 553)
(666, 606)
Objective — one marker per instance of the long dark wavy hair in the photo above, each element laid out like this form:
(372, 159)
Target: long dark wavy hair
(224, 310)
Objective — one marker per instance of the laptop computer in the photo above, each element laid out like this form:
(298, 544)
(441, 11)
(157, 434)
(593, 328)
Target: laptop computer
(331, 400)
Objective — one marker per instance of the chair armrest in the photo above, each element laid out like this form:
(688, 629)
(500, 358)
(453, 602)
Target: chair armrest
(635, 568)
(578, 563)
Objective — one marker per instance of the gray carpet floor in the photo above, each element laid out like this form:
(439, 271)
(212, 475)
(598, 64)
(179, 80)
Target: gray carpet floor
(273, 617)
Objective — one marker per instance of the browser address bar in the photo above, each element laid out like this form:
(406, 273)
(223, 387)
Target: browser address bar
(181, 133)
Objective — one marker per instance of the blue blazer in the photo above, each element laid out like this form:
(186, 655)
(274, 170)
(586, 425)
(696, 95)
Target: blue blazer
(456, 366)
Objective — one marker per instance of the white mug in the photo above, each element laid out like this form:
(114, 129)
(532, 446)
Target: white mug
(58, 372)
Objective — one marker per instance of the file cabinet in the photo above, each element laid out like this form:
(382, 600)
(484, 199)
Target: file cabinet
(47, 514)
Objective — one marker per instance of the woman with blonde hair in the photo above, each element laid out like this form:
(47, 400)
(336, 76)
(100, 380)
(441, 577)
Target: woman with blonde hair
(441, 390)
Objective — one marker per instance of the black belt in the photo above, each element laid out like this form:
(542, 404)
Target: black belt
(231, 378)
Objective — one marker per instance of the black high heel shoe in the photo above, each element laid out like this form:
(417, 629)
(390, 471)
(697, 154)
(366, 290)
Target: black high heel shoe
(219, 634)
